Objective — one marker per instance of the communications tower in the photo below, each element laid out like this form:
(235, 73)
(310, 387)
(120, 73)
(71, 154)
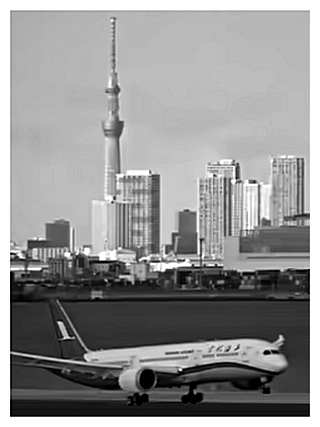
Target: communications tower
(112, 125)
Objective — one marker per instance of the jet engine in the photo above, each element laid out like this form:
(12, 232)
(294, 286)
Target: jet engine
(135, 380)
(253, 384)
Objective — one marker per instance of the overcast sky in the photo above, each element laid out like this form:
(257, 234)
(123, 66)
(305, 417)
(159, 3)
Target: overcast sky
(195, 87)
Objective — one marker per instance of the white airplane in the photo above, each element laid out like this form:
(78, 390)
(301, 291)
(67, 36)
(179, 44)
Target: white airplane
(249, 364)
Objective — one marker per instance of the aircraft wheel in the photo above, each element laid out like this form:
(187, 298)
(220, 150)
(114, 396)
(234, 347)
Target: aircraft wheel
(145, 398)
(198, 397)
(266, 390)
(193, 398)
(130, 401)
(185, 398)
(138, 399)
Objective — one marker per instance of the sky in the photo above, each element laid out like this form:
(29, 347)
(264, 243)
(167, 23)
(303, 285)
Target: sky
(195, 87)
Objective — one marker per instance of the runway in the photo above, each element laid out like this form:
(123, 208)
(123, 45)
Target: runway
(38, 402)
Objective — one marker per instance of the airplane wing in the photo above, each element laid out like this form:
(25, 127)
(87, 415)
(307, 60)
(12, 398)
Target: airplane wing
(99, 369)
(46, 362)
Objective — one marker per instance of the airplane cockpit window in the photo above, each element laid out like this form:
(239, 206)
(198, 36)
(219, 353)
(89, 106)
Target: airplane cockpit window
(267, 352)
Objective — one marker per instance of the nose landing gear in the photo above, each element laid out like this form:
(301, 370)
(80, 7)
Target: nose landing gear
(192, 397)
(265, 387)
(138, 399)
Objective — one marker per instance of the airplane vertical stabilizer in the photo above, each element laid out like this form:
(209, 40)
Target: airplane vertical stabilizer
(70, 343)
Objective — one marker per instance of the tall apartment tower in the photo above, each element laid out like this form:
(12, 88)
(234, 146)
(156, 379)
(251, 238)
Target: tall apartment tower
(287, 180)
(229, 170)
(211, 215)
(140, 189)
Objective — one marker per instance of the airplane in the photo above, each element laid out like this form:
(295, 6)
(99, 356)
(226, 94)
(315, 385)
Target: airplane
(248, 364)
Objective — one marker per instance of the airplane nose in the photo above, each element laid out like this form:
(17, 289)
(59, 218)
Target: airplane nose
(282, 364)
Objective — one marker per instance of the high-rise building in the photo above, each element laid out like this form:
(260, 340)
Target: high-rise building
(187, 229)
(251, 204)
(110, 225)
(287, 179)
(211, 215)
(184, 241)
(98, 225)
(58, 233)
(237, 206)
(228, 169)
(72, 239)
(265, 211)
(187, 222)
(141, 189)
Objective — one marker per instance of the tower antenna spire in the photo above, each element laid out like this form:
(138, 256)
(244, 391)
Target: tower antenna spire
(113, 43)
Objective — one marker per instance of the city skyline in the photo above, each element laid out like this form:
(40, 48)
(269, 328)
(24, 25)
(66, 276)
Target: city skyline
(47, 148)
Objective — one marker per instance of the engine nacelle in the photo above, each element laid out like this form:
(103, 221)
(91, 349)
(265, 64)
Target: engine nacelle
(134, 380)
(253, 384)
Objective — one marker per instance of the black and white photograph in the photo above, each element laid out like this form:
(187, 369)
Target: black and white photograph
(159, 213)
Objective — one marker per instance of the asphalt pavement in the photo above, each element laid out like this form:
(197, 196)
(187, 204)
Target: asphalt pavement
(36, 402)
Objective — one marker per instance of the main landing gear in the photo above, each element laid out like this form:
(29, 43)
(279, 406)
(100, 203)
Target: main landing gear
(266, 389)
(138, 399)
(192, 397)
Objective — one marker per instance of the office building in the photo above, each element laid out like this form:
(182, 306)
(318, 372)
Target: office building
(265, 201)
(43, 250)
(59, 233)
(297, 220)
(237, 206)
(110, 223)
(287, 179)
(98, 225)
(141, 190)
(251, 204)
(230, 170)
(72, 239)
(187, 231)
(184, 241)
(211, 215)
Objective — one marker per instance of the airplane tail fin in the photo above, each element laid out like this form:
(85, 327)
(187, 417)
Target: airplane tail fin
(279, 341)
(70, 343)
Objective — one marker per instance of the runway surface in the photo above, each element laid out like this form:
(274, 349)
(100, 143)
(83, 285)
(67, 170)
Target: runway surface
(37, 402)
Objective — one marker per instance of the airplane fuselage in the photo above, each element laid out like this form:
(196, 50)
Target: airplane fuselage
(248, 364)
(201, 362)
